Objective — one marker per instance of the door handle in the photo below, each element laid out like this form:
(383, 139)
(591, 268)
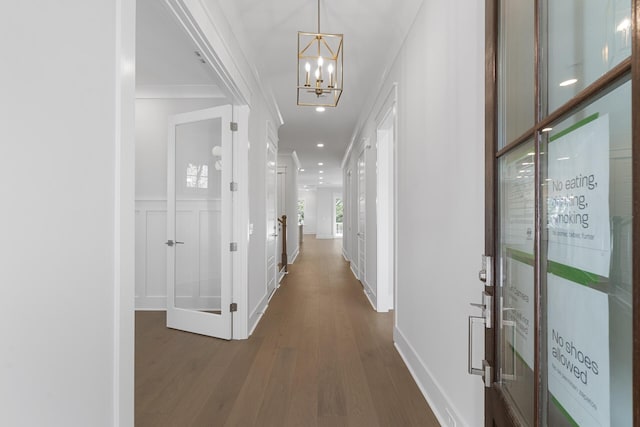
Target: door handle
(485, 320)
(171, 243)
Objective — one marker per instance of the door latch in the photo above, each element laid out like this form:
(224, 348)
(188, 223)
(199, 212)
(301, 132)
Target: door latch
(486, 273)
(486, 308)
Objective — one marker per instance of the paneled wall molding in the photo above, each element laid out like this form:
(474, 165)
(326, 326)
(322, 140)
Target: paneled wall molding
(151, 253)
(257, 313)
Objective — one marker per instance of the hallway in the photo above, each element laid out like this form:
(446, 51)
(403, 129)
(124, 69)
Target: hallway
(320, 357)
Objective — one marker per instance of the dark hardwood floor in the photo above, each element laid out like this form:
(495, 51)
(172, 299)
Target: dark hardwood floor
(320, 357)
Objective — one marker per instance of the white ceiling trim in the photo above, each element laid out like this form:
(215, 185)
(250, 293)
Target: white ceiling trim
(179, 92)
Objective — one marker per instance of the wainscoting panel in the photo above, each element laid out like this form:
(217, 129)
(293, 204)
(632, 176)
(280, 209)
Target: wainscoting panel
(198, 259)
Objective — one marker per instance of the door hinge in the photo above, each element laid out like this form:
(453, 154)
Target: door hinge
(233, 307)
(233, 186)
(233, 126)
(233, 247)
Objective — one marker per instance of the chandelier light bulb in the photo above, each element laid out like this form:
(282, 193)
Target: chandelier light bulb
(307, 80)
(320, 61)
(330, 69)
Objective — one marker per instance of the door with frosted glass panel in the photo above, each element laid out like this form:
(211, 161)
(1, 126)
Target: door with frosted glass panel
(560, 214)
(199, 222)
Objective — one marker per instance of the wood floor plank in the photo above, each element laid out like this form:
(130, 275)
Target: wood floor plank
(321, 356)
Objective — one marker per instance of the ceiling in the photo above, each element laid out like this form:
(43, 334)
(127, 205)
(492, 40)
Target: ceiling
(267, 29)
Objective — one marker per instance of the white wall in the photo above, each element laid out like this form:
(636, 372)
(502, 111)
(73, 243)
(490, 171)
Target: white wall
(325, 209)
(257, 280)
(310, 211)
(62, 275)
(440, 223)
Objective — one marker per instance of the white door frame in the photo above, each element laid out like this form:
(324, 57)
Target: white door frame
(272, 230)
(361, 237)
(386, 136)
(224, 63)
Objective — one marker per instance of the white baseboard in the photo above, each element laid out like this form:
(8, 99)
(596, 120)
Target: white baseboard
(370, 295)
(151, 303)
(257, 313)
(293, 257)
(159, 303)
(281, 275)
(352, 270)
(324, 236)
(345, 256)
(436, 398)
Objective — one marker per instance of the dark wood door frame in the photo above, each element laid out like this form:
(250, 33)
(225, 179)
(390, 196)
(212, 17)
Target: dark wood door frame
(496, 410)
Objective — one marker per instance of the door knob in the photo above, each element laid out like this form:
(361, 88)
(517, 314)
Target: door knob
(171, 243)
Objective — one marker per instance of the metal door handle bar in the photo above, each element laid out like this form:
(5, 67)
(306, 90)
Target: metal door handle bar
(485, 371)
(514, 358)
(171, 243)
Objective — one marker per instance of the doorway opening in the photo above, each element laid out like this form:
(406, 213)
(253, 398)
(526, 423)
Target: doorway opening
(385, 203)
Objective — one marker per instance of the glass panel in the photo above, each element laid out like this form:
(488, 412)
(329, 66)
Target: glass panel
(516, 262)
(199, 164)
(587, 196)
(586, 38)
(516, 84)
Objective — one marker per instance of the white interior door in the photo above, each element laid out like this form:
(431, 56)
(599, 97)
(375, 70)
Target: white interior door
(199, 222)
(362, 205)
(272, 219)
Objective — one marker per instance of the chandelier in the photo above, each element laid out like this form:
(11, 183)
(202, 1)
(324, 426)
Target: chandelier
(319, 68)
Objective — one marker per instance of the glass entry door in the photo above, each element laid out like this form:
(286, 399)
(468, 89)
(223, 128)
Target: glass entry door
(199, 222)
(560, 213)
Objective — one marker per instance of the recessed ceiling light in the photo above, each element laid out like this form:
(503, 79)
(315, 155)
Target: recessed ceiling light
(320, 171)
(301, 170)
(568, 82)
(320, 164)
(320, 145)
(320, 109)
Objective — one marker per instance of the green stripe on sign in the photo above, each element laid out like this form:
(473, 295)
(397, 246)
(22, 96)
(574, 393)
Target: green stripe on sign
(574, 127)
(567, 272)
(523, 257)
(564, 411)
(575, 274)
